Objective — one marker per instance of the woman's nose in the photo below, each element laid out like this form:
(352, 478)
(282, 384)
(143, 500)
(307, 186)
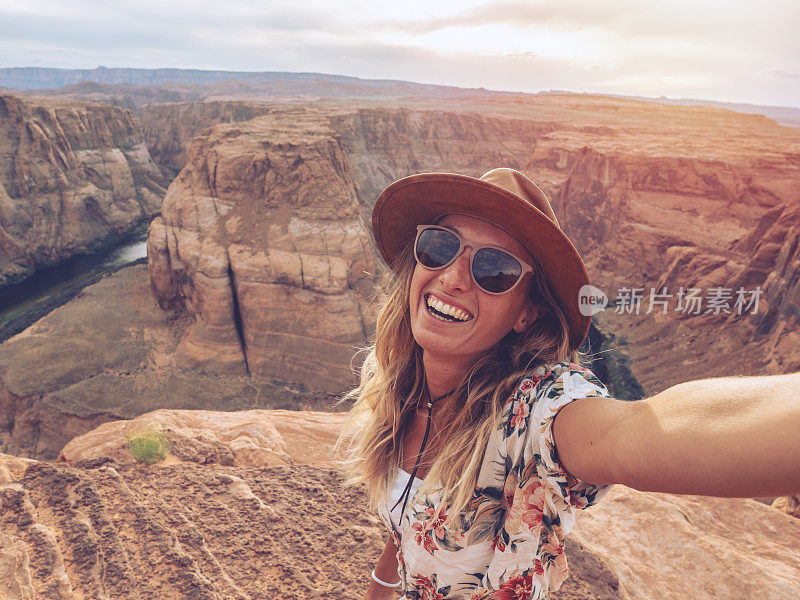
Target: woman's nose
(457, 275)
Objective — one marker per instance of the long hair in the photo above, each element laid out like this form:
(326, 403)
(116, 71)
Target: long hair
(392, 383)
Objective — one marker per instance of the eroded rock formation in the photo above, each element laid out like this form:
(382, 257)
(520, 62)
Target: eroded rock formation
(260, 240)
(193, 527)
(109, 354)
(72, 174)
(757, 329)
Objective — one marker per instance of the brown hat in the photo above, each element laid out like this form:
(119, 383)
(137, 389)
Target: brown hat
(503, 197)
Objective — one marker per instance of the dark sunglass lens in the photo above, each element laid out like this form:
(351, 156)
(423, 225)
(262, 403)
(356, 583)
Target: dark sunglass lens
(436, 247)
(495, 271)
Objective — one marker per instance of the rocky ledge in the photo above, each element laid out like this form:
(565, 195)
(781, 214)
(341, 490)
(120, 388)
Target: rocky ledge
(195, 526)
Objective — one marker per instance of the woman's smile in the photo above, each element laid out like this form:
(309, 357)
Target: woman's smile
(446, 310)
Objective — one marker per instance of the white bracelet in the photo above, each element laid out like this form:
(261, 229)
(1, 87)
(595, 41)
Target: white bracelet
(382, 582)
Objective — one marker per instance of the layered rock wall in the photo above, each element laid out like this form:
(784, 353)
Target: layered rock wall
(643, 210)
(261, 241)
(169, 128)
(71, 175)
(775, 270)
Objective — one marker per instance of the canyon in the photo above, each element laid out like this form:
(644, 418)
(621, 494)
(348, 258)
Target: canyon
(681, 209)
(262, 277)
(239, 336)
(73, 176)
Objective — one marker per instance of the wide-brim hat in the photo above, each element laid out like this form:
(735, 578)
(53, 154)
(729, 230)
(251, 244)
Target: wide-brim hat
(504, 197)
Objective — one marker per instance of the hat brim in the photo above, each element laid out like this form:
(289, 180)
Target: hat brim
(423, 198)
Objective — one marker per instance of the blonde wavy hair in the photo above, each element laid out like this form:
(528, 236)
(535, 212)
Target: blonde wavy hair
(392, 384)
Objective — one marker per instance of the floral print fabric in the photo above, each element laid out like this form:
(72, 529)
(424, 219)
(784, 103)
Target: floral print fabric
(509, 542)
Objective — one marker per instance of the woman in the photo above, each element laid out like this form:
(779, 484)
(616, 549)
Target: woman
(454, 425)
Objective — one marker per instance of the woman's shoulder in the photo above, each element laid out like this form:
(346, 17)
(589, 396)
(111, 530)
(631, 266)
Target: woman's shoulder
(550, 379)
(528, 388)
(543, 374)
(543, 390)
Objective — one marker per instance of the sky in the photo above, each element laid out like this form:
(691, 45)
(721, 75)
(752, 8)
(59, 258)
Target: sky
(733, 51)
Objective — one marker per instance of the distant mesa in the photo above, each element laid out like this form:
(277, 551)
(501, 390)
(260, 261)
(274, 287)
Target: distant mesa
(40, 78)
(133, 88)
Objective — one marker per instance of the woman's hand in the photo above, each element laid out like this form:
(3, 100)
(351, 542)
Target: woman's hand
(385, 569)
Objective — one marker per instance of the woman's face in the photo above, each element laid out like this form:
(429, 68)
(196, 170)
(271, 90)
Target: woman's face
(490, 317)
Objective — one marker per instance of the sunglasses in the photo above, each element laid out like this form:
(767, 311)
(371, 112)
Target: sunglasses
(496, 271)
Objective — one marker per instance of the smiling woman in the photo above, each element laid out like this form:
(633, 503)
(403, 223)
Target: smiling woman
(455, 423)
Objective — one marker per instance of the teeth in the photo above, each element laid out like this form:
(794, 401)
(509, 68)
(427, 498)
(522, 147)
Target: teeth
(446, 309)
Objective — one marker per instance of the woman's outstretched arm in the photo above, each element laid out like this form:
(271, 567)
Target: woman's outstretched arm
(728, 436)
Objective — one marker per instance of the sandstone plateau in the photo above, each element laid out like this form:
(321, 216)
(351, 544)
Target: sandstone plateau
(72, 175)
(134, 88)
(198, 525)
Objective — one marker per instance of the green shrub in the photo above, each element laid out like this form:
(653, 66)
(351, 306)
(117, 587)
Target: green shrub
(148, 446)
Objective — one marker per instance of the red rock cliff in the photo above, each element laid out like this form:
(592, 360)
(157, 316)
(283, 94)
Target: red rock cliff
(261, 241)
(71, 174)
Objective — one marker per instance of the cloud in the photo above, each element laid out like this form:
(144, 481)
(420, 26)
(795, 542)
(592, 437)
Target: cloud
(622, 17)
(782, 73)
(706, 47)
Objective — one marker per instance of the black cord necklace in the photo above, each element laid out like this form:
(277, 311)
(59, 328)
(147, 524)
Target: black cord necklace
(407, 490)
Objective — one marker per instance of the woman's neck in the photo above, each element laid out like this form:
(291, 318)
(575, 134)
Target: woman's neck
(442, 375)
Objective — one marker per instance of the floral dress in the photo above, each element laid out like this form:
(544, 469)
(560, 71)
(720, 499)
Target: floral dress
(509, 542)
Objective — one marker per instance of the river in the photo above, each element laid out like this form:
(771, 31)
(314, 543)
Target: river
(28, 301)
